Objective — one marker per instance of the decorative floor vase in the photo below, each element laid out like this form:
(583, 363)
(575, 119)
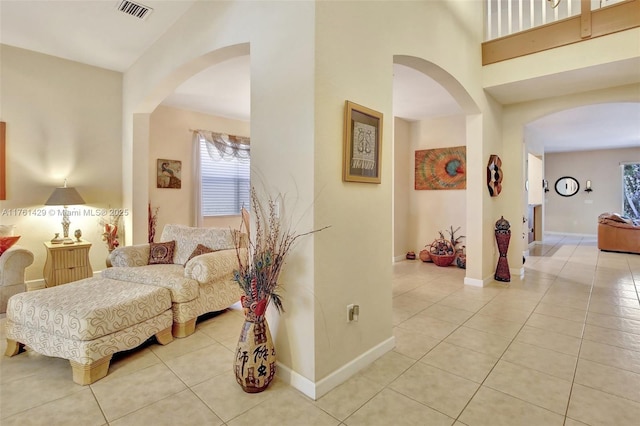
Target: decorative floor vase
(255, 361)
(503, 235)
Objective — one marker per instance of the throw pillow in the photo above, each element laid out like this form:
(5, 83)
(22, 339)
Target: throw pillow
(161, 253)
(200, 249)
(6, 242)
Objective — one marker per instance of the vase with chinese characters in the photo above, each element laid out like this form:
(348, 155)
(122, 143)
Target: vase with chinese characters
(255, 357)
(503, 235)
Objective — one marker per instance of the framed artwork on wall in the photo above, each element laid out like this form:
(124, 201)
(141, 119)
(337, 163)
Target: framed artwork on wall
(3, 162)
(362, 144)
(169, 173)
(441, 168)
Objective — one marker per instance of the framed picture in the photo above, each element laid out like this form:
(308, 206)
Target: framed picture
(441, 168)
(3, 162)
(362, 144)
(169, 173)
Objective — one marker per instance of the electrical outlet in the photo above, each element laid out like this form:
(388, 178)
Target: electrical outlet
(350, 313)
(353, 311)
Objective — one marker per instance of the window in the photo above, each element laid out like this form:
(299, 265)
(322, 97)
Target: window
(631, 190)
(225, 182)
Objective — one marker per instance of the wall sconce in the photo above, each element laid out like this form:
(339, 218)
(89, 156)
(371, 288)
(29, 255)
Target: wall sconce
(588, 186)
(545, 185)
(65, 197)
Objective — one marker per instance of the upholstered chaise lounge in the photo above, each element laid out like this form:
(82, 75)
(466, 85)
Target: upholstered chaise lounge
(199, 285)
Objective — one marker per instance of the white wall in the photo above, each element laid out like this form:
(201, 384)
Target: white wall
(403, 241)
(579, 214)
(64, 120)
(171, 139)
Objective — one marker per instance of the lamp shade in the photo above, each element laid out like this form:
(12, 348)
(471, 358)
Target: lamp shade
(64, 197)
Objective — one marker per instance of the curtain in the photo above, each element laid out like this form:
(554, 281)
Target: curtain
(224, 145)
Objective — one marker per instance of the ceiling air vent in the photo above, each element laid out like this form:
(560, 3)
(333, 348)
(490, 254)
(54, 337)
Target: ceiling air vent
(136, 10)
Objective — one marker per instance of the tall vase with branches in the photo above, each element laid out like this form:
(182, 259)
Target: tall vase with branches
(257, 275)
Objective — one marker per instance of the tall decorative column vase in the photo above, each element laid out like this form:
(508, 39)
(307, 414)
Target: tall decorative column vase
(255, 361)
(503, 235)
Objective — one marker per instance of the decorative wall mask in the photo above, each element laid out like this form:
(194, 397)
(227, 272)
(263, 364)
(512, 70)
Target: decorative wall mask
(441, 168)
(494, 175)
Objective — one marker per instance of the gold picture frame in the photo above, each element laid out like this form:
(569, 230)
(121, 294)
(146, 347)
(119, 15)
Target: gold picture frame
(362, 159)
(3, 162)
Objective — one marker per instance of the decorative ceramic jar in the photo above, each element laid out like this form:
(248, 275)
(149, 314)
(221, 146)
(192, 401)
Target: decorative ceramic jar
(255, 359)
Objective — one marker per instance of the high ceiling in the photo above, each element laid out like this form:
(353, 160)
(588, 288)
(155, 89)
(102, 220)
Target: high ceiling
(98, 34)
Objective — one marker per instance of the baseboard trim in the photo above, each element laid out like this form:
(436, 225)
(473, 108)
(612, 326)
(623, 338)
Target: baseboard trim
(474, 282)
(570, 234)
(318, 389)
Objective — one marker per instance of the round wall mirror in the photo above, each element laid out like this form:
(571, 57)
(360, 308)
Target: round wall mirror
(567, 186)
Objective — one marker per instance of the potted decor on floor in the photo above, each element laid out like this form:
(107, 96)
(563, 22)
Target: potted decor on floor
(444, 251)
(255, 356)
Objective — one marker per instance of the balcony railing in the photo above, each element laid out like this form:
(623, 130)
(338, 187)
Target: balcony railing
(520, 27)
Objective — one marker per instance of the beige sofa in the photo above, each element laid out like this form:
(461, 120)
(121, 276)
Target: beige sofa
(616, 233)
(13, 263)
(197, 286)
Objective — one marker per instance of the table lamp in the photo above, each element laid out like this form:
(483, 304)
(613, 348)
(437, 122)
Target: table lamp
(65, 196)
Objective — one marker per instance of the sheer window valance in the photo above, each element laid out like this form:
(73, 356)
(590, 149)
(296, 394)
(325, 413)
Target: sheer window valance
(225, 145)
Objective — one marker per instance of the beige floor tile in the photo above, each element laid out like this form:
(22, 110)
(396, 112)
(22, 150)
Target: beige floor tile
(405, 307)
(124, 395)
(486, 343)
(200, 365)
(347, 398)
(387, 368)
(616, 323)
(225, 397)
(287, 408)
(458, 300)
(504, 312)
(530, 385)
(183, 346)
(572, 422)
(623, 383)
(432, 327)
(429, 293)
(544, 360)
(614, 300)
(492, 408)
(558, 325)
(612, 337)
(494, 325)
(79, 408)
(460, 361)
(447, 313)
(615, 310)
(413, 344)
(564, 312)
(183, 408)
(51, 380)
(596, 408)
(549, 340)
(440, 390)
(391, 408)
(567, 299)
(611, 355)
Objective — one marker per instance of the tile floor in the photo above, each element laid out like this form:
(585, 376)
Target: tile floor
(560, 347)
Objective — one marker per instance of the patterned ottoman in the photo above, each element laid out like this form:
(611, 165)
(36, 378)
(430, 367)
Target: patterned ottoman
(88, 321)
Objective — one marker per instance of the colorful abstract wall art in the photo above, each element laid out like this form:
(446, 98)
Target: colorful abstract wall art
(441, 168)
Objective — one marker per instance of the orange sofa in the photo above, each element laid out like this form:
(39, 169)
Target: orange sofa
(617, 233)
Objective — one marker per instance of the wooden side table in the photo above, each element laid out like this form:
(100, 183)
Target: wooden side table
(66, 263)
